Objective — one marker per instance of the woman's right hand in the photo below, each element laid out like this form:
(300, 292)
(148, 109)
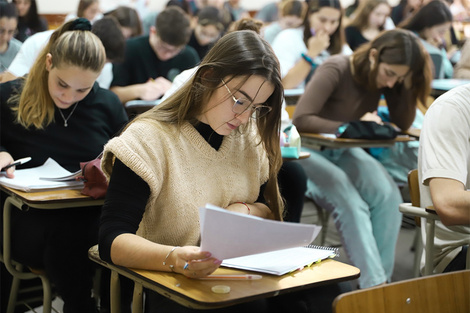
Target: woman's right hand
(200, 263)
(154, 88)
(372, 117)
(7, 159)
(316, 44)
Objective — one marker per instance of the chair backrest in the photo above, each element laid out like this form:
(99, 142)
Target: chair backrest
(413, 185)
(431, 294)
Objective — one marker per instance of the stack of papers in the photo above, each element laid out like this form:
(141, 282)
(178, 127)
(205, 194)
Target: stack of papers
(252, 243)
(48, 176)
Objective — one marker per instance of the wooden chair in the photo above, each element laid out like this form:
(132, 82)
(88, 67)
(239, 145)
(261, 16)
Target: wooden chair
(431, 294)
(414, 209)
(16, 269)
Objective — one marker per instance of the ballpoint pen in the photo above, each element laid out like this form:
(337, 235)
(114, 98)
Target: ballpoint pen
(232, 277)
(17, 162)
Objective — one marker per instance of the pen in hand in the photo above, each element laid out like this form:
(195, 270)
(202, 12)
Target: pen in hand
(17, 162)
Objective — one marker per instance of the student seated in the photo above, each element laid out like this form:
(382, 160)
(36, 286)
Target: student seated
(215, 140)
(443, 169)
(431, 23)
(291, 15)
(29, 21)
(58, 111)
(301, 50)
(349, 182)
(151, 62)
(9, 46)
(369, 20)
(208, 30)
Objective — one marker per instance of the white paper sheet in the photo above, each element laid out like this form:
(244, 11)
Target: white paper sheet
(29, 179)
(227, 234)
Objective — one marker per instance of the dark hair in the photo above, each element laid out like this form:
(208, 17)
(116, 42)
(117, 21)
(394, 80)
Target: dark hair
(210, 16)
(246, 23)
(237, 54)
(397, 47)
(128, 17)
(109, 32)
(173, 26)
(32, 18)
(337, 38)
(8, 10)
(293, 7)
(183, 4)
(434, 13)
(361, 20)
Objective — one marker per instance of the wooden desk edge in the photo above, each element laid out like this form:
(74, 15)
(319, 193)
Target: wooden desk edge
(50, 198)
(197, 304)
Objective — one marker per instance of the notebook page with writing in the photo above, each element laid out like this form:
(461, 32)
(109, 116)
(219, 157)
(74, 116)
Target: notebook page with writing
(281, 262)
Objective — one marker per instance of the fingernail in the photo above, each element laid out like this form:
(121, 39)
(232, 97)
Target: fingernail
(218, 262)
(208, 254)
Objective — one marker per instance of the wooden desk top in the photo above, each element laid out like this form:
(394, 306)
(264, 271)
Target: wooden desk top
(51, 198)
(197, 294)
(320, 141)
(413, 132)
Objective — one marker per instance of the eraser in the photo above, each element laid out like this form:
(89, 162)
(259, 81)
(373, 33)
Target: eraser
(221, 289)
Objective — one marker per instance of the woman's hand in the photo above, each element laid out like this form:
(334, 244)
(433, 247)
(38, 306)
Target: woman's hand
(372, 117)
(256, 209)
(7, 159)
(318, 43)
(193, 263)
(154, 88)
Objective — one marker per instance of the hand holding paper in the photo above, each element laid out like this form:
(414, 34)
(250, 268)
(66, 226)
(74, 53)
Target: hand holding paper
(226, 234)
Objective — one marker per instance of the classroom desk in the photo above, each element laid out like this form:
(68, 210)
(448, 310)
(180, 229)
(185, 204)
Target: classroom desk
(136, 107)
(293, 95)
(321, 142)
(440, 86)
(413, 132)
(197, 294)
(52, 199)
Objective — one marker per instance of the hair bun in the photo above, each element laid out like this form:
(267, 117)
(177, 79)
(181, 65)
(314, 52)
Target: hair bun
(81, 24)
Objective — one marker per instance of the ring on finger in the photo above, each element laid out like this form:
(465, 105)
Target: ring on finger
(186, 265)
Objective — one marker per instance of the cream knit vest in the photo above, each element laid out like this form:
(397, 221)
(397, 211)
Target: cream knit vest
(184, 172)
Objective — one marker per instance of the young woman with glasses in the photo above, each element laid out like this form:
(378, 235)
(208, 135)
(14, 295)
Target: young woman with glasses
(216, 140)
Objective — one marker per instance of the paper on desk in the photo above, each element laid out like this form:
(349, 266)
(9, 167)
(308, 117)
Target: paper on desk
(227, 234)
(29, 179)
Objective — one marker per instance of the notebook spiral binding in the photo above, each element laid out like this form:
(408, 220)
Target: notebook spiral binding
(335, 250)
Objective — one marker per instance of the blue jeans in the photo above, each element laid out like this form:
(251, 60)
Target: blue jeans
(363, 200)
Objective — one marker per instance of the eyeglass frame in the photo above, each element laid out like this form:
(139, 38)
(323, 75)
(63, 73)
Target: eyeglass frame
(254, 109)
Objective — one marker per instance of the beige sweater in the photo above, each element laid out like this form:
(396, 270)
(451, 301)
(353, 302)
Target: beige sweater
(184, 173)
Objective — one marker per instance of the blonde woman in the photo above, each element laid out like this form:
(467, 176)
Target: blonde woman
(58, 111)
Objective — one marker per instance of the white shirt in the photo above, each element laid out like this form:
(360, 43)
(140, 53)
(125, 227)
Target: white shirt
(445, 152)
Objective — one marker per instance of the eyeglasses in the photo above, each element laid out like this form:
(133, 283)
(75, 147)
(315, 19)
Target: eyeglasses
(241, 105)
(9, 32)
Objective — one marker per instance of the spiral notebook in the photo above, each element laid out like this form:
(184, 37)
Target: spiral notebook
(283, 261)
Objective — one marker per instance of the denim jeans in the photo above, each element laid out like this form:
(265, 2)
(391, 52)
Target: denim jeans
(363, 200)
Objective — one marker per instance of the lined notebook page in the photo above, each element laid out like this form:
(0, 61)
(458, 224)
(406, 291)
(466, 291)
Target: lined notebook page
(280, 262)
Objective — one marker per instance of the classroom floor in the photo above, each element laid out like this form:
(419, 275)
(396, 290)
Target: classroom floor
(404, 256)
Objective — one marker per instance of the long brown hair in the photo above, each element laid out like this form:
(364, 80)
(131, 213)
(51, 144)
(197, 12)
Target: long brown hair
(237, 54)
(337, 38)
(72, 44)
(398, 47)
(361, 20)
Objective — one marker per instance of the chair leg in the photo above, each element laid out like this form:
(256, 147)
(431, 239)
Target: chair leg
(418, 247)
(47, 295)
(15, 286)
(137, 300)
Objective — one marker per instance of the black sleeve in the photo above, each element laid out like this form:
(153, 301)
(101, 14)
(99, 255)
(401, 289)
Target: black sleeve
(124, 207)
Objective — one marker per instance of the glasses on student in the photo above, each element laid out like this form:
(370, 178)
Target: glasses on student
(241, 105)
